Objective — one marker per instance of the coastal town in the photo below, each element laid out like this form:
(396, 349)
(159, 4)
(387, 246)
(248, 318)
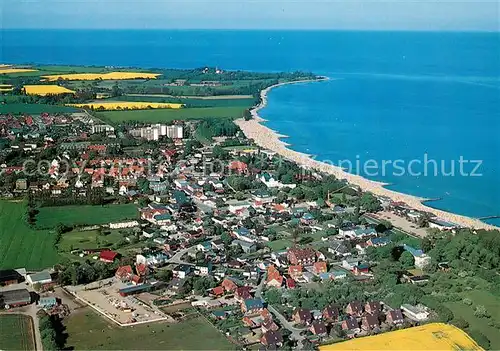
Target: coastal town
(213, 225)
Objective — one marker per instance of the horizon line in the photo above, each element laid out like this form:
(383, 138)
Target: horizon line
(465, 30)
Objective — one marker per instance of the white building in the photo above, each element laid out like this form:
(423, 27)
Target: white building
(417, 313)
(121, 225)
(39, 278)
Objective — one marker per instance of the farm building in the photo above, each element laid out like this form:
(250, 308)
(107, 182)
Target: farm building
(108, 256)
(10, 276)
(47, 302)
(39, 278)
(15, 298)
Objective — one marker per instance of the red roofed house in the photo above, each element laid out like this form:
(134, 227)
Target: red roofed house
(290, 283)
(238, 167)
(318, 328)
(303, 256)
(218, 291)
(295, 272)
(320, 267)
(229, 285)
(108, 256)
(243, 293)
(274, 277)
(124, 273)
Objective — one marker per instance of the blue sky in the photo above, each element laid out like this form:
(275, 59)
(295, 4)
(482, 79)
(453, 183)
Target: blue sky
(250, 14)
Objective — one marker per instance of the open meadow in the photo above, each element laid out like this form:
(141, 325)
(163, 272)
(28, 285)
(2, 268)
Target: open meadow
(481, 324)
(167, 115)
(21, 246)
(50, 217)
(89, 331)
(434, 336)
(16, 332)
(20, 108)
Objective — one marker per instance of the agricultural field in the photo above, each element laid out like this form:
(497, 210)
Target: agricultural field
(244, 102)
(168, 115)
(102, 76)
(124, 105)
(492, 304)
(50, 217)
(88, 331)
(13, 70)
(21, 246)
(16, 332)
(43, 90)
(434, 336)
(21, 108)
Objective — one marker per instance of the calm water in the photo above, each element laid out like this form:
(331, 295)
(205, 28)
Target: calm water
(394, 96)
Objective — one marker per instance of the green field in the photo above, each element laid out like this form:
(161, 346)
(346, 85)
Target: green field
(21, 246)
(88, 331)
(16, 332)
(167, 115)
(19, 108)
(492, 304)
(50, 217)
(78, 240)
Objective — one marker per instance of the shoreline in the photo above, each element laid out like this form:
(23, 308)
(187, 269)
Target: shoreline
(269, 139)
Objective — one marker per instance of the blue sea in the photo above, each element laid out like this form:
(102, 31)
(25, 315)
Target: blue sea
(392, 96)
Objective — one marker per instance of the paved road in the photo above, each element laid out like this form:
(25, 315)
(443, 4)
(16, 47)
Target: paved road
(284, 322)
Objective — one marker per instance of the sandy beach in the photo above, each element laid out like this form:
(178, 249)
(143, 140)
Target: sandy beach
(269, 139)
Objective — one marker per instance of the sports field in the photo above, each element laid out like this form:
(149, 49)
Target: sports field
(167, 115)
(434, 336)
(50, 217)
(21, 246)
(16, 332)
(89, 331)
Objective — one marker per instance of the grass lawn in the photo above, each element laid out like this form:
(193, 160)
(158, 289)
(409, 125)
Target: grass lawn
(79, 240)
(492, 304)
(88, 331)
(190, 102)
(20, 108)
(21, 246)
(167, 115)
(49, 217)
(16, 332)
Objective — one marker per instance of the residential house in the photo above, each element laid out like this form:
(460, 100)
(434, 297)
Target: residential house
(350, 325)
(318, 328)
(268, 324)
(274, 278)
(354, 308)
(203, 269)
(369, 322)
(156, 258)
(272, 339)
(218, 291)
(331, 313)
(182, 271)
(229, 285)
(302, 316)
(252, 306)
(108, 256)
(295, 272)
(320, 267)
(246, 246)
(378, 241)
(395, 317)
(373, 307)
(361, 269)
(338, 248)
(124, 273)
(302, 256)
(242, 293)
(238, 167)
(421, 259)
(338, 274)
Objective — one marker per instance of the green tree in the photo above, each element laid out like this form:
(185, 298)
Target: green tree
(407, 260)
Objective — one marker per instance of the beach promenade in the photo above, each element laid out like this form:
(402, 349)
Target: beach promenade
(269, 139)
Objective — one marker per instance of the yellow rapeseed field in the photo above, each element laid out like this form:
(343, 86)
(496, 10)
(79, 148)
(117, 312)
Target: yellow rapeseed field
(124, 105)
(103, 76)
(434, 336)
(15, 70)
(43, 90)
